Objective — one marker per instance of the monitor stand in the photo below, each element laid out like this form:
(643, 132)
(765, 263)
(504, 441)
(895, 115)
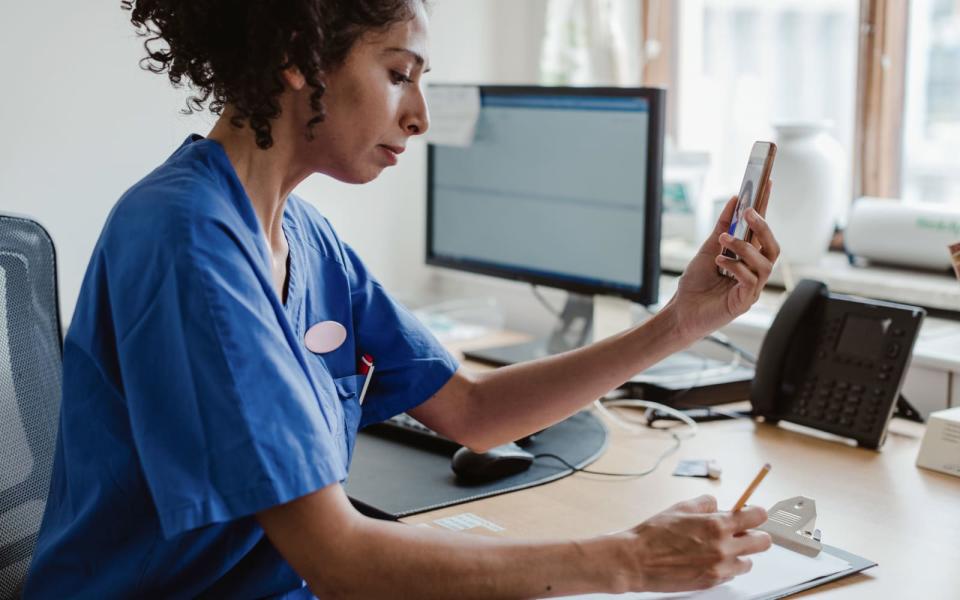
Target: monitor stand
(574, 328)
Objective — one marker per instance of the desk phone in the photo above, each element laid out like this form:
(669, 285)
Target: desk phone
(835, 363)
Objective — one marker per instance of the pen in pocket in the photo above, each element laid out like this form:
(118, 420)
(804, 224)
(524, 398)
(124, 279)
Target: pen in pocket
(366, 368)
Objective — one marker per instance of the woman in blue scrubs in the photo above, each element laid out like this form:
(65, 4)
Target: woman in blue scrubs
(211, 400)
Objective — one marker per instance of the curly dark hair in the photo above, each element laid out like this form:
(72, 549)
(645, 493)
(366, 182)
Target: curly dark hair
(233, 51)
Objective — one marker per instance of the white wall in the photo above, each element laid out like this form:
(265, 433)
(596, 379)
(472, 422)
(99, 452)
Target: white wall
(80, 123)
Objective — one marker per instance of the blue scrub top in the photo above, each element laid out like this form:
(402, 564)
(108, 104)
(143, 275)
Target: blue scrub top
(190, 400)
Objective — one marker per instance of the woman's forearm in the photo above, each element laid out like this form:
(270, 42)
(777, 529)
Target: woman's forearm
(342, 554)
(388, 560)
(514, 401)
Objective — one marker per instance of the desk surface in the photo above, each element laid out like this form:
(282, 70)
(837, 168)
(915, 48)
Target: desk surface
(875, 504)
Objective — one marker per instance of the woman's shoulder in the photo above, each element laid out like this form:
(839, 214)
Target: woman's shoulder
(187, 183)
(184, 192)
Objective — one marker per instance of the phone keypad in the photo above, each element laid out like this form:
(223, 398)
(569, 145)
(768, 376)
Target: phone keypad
(852, 406)
(852, 394)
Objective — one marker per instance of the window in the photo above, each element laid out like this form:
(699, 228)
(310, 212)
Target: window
(746, 65)
(884, 73)
(931, 136)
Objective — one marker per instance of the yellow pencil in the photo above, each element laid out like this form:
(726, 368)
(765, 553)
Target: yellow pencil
(753, 485)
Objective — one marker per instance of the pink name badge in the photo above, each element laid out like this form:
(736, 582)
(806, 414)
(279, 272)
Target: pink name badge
(325, 336)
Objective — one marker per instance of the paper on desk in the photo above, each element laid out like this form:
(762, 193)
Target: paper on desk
(774, 570)
(447, 329)
(454, 111)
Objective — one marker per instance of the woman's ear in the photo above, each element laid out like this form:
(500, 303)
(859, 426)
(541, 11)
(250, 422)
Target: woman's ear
(294, 78)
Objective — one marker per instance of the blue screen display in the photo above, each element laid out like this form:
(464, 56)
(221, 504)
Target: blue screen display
(552, 185)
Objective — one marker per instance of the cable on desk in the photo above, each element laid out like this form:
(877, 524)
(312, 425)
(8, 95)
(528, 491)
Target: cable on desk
(643, 426)
(634, 426)
(677, 440)
(713, 410)
(697, 412)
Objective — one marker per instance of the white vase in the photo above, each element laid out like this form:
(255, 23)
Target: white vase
(808, 190)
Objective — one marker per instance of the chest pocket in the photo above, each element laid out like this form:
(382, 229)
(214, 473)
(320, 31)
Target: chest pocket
(349, 388)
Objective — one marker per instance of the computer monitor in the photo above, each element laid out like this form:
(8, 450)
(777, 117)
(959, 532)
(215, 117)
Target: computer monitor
(560, 187)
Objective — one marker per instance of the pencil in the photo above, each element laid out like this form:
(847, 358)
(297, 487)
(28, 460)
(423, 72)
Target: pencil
(753, 485)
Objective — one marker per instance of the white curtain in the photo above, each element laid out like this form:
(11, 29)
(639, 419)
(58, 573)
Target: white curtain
(592, 42)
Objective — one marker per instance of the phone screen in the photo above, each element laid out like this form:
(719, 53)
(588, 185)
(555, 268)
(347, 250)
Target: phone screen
(862, 337)
(748, 194)
(758, 167)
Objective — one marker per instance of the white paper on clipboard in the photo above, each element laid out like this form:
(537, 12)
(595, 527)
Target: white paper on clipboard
(454, 110)
(774, 570)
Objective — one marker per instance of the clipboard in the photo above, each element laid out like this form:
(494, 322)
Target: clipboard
(857, 564)
(792, 526)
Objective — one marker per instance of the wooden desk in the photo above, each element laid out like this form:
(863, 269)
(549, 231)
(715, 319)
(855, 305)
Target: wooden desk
(875, 504)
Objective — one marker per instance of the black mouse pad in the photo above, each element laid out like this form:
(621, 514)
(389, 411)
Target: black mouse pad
(401, 479)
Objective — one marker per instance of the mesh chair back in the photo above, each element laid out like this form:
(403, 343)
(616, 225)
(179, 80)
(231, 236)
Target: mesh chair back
(30, 381)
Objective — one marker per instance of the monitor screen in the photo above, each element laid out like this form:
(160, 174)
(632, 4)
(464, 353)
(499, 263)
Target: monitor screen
(560, 187)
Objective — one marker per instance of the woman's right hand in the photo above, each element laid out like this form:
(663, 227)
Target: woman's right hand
(691, 546)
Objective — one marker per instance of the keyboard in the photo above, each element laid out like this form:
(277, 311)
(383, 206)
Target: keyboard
(406, 429)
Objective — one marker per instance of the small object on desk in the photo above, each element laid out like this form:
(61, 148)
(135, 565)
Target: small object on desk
(698, 468)
(713, 470)
(940, 449)
(502, 461)
(467, 521)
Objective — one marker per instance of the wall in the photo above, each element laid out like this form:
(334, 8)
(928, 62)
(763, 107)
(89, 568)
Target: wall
(81, 123)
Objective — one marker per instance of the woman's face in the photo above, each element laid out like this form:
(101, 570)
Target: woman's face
(374, 103)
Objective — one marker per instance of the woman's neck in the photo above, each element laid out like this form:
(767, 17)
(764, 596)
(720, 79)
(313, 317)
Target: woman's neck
(267, 176)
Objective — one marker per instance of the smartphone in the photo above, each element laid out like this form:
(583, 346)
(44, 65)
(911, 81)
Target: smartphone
(753, 193)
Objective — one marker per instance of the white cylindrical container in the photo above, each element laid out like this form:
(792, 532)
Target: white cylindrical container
(809, 186)
(910, 235)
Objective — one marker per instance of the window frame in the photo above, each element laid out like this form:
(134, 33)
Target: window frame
(880, 94)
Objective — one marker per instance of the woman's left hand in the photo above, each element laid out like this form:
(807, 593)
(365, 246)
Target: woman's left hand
(705, 299)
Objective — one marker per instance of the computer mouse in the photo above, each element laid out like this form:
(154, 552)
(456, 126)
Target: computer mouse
(502, 461)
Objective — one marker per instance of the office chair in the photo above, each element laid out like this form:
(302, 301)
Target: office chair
(30, 382)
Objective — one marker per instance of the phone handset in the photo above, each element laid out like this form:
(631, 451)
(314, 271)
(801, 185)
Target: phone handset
(786, 334)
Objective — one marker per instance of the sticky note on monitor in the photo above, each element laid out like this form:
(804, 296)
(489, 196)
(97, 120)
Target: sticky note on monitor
(454, 110)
